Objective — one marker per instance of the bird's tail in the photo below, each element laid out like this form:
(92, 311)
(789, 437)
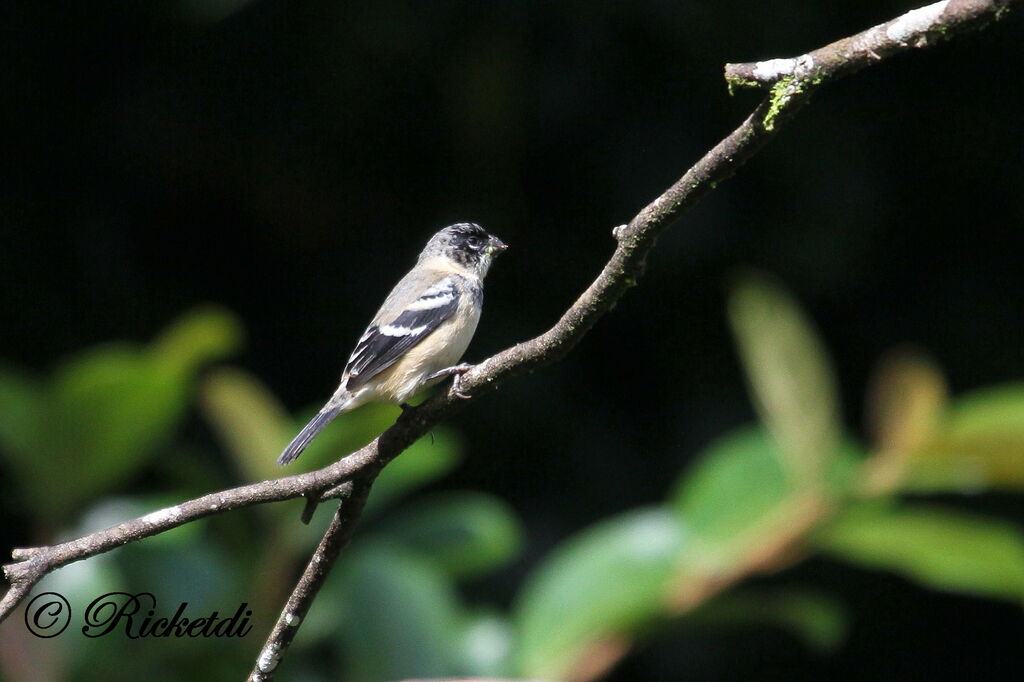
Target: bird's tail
(317, 424)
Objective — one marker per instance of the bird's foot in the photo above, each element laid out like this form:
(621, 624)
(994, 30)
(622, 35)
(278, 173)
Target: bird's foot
(456, 382)
(457, 371)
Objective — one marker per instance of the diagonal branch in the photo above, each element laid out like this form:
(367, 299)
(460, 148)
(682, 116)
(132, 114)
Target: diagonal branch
(626, 266)
(637, 238)
(792, 82)
(338, 533)
(919, 28)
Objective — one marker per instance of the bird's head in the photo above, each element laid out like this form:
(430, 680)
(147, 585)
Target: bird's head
(467, 245)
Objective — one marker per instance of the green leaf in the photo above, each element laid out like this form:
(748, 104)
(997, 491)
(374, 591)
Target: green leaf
(110, 407)
(979, 446)
(104, 412)
(994, 409)
(817, 619)
(463, 533)
(249, 420)
(400, 615)
(941, 548)
(789, 375)
(199, 336)
(729, 496)
(601, 585)
(737, 494)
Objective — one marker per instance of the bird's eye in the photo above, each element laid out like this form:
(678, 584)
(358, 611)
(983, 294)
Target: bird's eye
(473, 241)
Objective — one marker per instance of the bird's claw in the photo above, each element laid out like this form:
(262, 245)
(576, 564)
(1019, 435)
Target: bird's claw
(457, 371)
(455, 387)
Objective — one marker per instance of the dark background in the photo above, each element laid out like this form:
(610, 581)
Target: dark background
(289, 159)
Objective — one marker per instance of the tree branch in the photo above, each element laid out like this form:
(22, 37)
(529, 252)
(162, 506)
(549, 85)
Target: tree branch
(917, 29)
(35, 562)
(319, 567)
(792, 83)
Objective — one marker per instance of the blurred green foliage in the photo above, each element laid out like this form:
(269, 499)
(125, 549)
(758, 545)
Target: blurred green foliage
(757, 499)
(942, 548)
(608, 581)
(93, 421)
(976, 447)
(819, 620)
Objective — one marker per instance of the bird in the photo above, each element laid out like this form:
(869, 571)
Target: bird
(420, 332)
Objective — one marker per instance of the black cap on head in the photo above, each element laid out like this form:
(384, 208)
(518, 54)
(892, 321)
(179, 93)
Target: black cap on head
(467, 244)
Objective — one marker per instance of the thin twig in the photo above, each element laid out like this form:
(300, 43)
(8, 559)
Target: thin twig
(792, 83)
(338, 534)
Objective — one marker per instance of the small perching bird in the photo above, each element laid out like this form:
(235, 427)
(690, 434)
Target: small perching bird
(419, 333)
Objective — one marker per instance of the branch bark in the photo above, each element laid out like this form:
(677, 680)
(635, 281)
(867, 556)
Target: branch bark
(791, 81)
(338, 534)
(917, 29)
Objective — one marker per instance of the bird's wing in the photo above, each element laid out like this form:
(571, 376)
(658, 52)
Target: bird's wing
(395, 331)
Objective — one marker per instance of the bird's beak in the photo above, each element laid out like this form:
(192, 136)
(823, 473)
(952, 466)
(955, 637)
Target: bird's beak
(496, 246)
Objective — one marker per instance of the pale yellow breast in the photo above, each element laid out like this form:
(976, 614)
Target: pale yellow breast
(442, 348)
